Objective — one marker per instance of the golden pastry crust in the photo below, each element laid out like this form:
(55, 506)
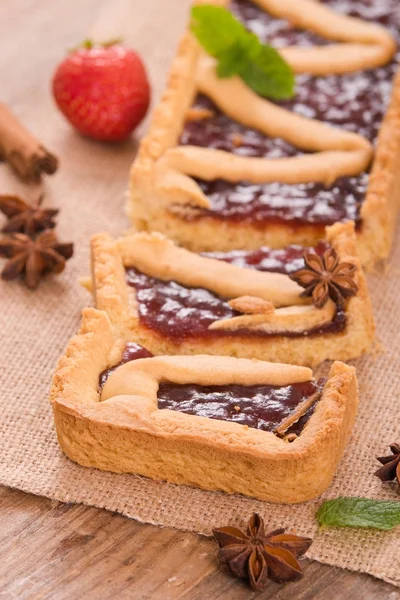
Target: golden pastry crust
(164, 198)
(109, 258)
(363, 45)
(159, 257)
(123, 435)
(335, 152)
(288, 319)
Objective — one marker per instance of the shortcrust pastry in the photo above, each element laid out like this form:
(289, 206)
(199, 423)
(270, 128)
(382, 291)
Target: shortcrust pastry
(240, 303)
(222, 168)
(244, 426)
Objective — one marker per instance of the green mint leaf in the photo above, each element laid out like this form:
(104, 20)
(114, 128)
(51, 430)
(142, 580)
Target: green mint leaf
(359, 512)
(266, 72)
(231, 62)
(239, 52)
(216, 28)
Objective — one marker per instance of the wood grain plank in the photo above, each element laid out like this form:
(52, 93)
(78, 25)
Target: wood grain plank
(53, 550)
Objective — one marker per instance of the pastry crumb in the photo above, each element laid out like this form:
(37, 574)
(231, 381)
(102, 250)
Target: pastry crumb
(237, 140)
(199, 114)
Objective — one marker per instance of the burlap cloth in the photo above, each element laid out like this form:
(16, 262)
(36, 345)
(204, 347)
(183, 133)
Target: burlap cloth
(35, 328)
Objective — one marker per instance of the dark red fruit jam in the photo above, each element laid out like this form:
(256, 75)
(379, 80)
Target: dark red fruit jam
(259, 406)
(177, 312)
(355, 102)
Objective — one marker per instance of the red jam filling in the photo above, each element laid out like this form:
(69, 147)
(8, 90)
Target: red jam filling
(178, 313)
(355, 102)
(258, 406)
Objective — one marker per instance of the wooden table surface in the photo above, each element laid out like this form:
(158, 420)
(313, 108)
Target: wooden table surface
(70, 552)
(52, 550)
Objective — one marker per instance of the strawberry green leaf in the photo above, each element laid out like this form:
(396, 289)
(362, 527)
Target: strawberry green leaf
(239, 52)
(359, 512)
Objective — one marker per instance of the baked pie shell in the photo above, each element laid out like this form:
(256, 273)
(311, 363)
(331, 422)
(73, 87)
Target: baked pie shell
(150, 201)
(113, 295)
(186, 449)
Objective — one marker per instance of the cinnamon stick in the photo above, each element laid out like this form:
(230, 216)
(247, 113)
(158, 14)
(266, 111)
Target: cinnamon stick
(23, 152)
(299, 412)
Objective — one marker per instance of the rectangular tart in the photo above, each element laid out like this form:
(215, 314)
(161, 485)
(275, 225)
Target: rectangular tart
(221, 168)
(240, 303)
(220, 423)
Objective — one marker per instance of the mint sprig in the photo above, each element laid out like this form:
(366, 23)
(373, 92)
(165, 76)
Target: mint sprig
(239, 52)
(359, 512)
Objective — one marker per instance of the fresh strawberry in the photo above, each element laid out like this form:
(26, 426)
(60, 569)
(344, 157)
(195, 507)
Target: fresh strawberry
(103, 90)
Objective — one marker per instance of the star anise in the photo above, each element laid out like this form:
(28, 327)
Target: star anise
(24, 217)
(325, 277)
(258, 556)
(391, 465)
(33, 258)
